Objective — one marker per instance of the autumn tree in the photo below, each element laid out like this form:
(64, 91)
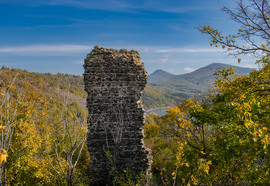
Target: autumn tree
(8, 122)
(33, 122)
(224, 140)
(253, 35)
(241, 119)
(239, 106)
(27, 163)
(66, 142)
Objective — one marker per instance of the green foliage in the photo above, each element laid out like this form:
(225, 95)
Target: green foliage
(130, 179)
(155, 97)
(252, 36)
(221, 141)
(41, 120)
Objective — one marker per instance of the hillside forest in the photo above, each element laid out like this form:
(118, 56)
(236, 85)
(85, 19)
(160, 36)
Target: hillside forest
(217, 137)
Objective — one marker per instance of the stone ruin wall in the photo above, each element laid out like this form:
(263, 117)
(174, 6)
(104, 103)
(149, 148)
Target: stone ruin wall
(114, 81)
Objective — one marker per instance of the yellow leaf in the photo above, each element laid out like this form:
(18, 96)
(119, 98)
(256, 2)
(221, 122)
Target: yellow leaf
(3, 155)
(2, 127)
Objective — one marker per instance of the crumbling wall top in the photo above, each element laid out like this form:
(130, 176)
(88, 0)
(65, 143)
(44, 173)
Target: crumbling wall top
(119, 55)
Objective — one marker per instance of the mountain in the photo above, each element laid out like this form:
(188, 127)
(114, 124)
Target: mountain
(205, 75)
(175, 88)
(198, 77)
(160, 76)
(163, 89)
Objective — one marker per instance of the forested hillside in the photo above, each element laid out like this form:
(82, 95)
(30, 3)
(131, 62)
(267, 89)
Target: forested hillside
(177, 88)
(220, 138)
(44, 119)
(43, 123)
(163, 89)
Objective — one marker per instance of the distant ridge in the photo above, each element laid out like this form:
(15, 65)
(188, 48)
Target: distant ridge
(198, 76)
(165, 89)
(160, 76)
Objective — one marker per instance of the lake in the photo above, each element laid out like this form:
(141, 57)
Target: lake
(160, 112)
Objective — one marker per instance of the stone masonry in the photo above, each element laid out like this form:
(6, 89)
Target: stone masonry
(114, 81)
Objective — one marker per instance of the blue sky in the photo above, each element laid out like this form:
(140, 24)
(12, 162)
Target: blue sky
(56, 35)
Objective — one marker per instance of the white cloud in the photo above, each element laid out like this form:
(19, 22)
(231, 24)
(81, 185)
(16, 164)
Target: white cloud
(54, 50)
(79, 62)
(187, 50)
(164, 60)
(171, 6)
(165, 49)
(68, 49)
(175, 60)
(171, 70)
(188, 69)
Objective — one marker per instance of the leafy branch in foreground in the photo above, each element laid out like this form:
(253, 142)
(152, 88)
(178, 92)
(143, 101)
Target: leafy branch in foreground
(254, 19)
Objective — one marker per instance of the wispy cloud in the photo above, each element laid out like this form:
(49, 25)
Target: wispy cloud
(171, 6)
(188, 69)
(46, 49)
(175, 60)
(78, 62)
(163, 60)
(186, 50)
(168, 50)
(70, 49)
(171, 70)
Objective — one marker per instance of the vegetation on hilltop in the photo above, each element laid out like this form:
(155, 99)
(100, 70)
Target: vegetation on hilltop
(154, 97)
(43, 130)
(46, 108)
(223, 138)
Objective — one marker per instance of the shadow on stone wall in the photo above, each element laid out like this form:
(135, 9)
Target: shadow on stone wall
(114, 81)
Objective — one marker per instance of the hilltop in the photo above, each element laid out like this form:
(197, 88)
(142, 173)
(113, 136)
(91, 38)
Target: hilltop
(163, 89)
(197, 77)
(176, 88)
(52, 86)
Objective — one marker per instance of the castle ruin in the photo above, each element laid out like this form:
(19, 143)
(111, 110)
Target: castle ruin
(114, 81)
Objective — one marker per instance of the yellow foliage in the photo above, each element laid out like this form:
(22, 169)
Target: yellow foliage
(202, 152)
(239, 60)
(3, 155)
(2, 127)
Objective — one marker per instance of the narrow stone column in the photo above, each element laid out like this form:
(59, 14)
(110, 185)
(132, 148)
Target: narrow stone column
(114, 81)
